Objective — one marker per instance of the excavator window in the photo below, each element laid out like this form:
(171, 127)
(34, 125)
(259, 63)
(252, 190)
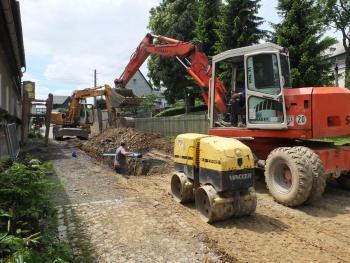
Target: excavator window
(263, 73)
(263, 77)
(285, 68)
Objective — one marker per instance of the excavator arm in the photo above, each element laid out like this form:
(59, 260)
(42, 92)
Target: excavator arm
(71, 116)
(195, 62)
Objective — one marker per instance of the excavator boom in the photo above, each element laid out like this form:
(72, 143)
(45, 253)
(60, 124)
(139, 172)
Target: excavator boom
(195, 62)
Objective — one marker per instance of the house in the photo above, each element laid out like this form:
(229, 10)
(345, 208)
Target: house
(141, 88)
(336, 54)
(139, 85)
(60, 102)
(12, 66)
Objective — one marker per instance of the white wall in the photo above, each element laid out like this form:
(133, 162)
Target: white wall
(139, 85)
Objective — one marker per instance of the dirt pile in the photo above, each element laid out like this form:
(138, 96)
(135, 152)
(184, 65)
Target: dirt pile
(137, 141)
(155, 148)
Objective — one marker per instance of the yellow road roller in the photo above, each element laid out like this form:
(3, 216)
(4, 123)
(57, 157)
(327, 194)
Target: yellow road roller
(215, 172)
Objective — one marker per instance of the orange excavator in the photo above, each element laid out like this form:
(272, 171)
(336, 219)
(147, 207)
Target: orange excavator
(281, 124)
(195, 62)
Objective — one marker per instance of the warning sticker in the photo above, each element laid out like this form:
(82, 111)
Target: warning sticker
(252, 114)
(290, 120)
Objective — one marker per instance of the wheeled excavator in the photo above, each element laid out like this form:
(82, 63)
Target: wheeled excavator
(282, 125)
(79, 117)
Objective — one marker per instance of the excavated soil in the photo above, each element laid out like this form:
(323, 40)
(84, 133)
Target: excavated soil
(136, 141)
(156, 149)
(275, 233)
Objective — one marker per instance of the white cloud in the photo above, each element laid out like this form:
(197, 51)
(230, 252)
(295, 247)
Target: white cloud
(75, 37)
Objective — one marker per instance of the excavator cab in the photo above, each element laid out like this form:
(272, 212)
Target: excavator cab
(86, 114)
(265, 71)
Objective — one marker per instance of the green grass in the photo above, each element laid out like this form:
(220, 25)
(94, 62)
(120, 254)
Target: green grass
(178, 110)
(336, 141)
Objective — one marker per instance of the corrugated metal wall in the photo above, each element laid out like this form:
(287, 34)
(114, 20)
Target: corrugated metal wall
(173, 126)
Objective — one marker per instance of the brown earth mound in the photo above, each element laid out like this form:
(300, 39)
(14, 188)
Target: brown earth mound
(137, 141)
(156, 148)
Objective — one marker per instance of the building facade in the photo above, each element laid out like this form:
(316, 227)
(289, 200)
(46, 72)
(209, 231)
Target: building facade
(336, 54)
(142, 88)
(12, 65)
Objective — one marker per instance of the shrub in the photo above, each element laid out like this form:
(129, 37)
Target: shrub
(27, 228)
(180, 110)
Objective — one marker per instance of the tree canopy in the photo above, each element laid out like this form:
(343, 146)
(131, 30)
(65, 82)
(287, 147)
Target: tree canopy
(175, 19)
(239, 25)
(301, 31)
(207, 24)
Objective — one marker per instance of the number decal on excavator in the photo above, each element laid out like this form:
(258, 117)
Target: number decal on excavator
(301, 119)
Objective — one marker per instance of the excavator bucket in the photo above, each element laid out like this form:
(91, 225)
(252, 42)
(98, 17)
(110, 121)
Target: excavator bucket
(122, 97)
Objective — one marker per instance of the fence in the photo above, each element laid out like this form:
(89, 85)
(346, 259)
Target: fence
(11, 135)
(174, 126)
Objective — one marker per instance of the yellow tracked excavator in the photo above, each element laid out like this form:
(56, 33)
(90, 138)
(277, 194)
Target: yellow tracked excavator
(79, 117)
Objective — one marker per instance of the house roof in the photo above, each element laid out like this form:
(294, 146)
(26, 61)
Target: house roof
(10, 15)
(140, 73)
(334, 50)
(57, 99)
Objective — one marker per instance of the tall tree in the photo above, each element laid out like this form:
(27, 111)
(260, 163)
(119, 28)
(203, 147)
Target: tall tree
(207, 24)
(337, 12)
(239, 24)
(301, 31)
(175, 19)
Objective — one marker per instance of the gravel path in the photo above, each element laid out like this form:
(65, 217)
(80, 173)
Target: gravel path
(106, 221)
(110, 218)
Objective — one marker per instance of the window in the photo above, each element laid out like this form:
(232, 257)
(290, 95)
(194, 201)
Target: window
(285, 69)
(264, 110)
(263, 74)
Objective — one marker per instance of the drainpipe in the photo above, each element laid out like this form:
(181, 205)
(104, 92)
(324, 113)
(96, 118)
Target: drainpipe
(336, 75)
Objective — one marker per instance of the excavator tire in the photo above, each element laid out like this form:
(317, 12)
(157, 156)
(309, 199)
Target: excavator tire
(181, 188)
(318, 174)
(288, 176)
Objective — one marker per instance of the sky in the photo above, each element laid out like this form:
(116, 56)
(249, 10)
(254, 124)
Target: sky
(66, 40)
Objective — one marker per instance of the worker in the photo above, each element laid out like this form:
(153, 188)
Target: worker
(237, 106)
(120, 163)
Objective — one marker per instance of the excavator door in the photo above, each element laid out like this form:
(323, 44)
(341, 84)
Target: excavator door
(86, 114)
(264, 84)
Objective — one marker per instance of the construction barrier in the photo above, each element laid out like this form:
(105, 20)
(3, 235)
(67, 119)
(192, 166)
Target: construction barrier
(172, 126)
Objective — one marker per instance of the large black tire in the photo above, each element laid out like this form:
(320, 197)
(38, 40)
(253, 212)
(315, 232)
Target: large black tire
(288, 176)
(318, 173)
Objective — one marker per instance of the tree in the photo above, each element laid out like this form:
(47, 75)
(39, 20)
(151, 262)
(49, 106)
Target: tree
(337, 12)
(239, 25)
(175, 19)
(301, 31)
(207, 24)
(148, 104)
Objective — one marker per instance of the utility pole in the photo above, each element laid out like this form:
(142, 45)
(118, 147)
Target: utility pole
(95, 85)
